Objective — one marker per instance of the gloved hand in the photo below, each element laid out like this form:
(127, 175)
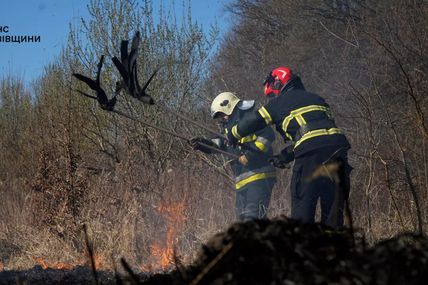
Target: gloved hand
(278, 162)
(281, 160)
(196, 144)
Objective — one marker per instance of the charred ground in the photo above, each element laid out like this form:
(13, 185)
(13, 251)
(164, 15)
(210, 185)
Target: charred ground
(278, 251)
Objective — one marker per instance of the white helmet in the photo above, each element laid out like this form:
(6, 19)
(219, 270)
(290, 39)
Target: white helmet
(224, 103)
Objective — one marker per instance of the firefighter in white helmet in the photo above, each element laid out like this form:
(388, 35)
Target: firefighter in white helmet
(254, 175)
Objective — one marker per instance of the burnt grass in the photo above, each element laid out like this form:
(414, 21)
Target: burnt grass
(278, 251)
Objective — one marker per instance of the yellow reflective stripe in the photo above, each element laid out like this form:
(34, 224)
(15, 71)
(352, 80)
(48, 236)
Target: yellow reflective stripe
(249, 138)
(285, 124)
(235, 132)
(316, 133)
(253, 178)
(260, 146)
(265, 115)
(300, 120)
(289, 136)
(297, 114)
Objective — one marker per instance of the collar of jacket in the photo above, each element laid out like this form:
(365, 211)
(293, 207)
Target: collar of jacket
(295, 83)
(246, 105)
(239, 112)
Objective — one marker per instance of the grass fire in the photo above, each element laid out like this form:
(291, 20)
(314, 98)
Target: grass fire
(284, 144)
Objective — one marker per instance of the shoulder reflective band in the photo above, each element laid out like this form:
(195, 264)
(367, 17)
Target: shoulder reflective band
(235, 132)
(265, 115)
(316, 133)
(297, 114)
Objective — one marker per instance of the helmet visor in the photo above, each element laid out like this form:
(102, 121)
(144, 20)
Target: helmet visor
(269, 79)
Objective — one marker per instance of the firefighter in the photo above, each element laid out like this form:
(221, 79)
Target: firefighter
(318, 147)
(254, 175)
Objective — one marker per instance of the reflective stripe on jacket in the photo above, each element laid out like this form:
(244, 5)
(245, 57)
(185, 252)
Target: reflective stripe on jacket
(299, 116)
(258, 166)
(253, 175)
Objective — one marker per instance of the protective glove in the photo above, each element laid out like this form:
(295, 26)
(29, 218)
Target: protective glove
(197, 144)
(278, 162)
(284, 158)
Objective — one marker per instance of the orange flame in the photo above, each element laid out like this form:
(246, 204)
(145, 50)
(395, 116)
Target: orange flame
(1, 266)
(62, 266)
(164, 255)
(163, 252)
(41, 262)
(59, 265)
(99, 263)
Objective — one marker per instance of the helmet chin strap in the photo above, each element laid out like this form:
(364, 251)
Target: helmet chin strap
(271, 95)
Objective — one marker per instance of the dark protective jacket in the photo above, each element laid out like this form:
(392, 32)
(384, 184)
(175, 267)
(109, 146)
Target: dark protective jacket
(260, 142)
(299, 116)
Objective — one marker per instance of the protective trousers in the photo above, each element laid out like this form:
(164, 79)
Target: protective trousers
(321, 175)
(252, 202)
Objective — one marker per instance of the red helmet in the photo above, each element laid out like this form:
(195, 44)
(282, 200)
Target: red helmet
(276, 79)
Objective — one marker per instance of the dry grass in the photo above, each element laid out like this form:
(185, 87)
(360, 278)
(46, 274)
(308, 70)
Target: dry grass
(178, 215)
(60, 165)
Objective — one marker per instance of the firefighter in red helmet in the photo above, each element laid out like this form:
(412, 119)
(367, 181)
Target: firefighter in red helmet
(317, 146)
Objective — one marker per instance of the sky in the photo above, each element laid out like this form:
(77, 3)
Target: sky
(50, 20)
